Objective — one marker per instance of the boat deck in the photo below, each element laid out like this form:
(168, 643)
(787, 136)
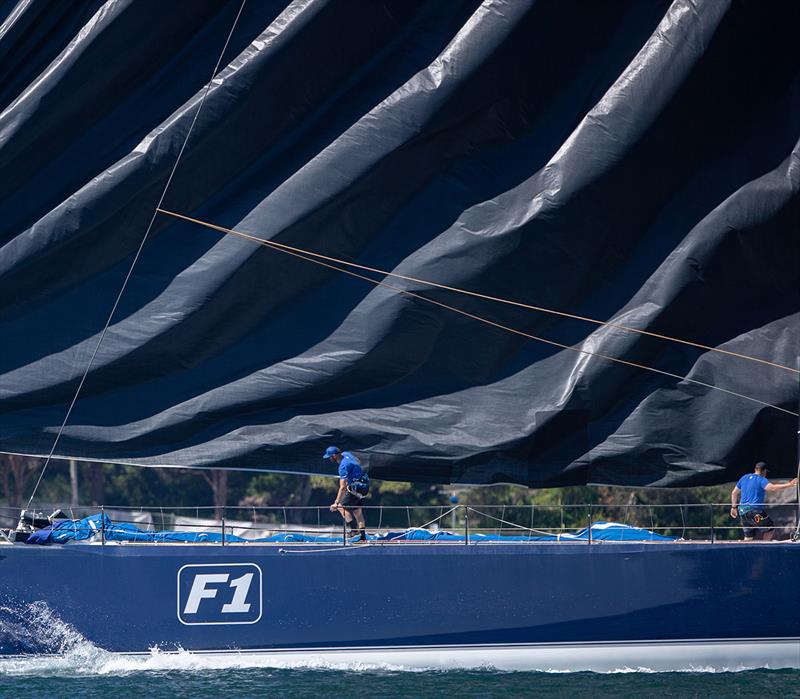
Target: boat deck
(458, 525)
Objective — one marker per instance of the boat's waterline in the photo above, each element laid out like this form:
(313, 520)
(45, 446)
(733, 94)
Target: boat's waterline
(738, 654)
(688, 656)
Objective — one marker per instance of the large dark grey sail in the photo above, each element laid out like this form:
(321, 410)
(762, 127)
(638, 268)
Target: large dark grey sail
(627, 161)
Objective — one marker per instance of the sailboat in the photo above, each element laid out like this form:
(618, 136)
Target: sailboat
(475, 242)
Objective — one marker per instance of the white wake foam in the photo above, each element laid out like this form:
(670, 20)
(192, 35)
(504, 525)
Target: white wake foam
(60, 650)
(86, 660)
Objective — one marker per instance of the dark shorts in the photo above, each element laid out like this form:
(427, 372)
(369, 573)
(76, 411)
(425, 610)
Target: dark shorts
(350, 500)
(753, 520)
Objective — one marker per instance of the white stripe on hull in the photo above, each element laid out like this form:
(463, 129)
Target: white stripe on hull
(739, 654)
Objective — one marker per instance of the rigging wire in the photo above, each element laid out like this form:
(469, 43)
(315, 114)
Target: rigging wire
(476, 294)
(285, 249)
(136, 256)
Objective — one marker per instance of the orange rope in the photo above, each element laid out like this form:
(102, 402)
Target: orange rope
(475, 294)
(294, 252)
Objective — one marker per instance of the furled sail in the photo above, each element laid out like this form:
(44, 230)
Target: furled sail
(636, 163)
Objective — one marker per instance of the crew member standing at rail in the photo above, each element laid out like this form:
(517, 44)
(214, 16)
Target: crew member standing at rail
(749, 493)
(353, 488)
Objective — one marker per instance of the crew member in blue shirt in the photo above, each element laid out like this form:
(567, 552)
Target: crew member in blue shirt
(353, 488)
(749, 494)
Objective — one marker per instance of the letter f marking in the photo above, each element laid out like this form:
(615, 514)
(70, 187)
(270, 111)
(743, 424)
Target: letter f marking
(200, 592)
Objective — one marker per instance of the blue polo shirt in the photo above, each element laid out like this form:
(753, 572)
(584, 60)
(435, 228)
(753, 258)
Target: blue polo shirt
(752, 486)
(350, 468)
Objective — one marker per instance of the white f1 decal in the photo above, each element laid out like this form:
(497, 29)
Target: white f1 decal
(211, 593)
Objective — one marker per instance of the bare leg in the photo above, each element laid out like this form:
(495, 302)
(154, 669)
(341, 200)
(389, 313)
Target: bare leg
(358, 513)
(345, 514)
(744, 533)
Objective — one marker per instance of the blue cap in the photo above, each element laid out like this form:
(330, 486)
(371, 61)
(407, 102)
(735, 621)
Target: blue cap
(329, 452)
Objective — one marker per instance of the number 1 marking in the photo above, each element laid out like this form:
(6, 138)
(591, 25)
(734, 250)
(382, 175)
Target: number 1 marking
(237, 604)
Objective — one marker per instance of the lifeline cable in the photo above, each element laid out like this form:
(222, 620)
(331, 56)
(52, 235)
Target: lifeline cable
(501, 520)
(135, 257)
(285, 249)
(475, 294)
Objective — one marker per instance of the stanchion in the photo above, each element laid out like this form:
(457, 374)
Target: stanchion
(711, 524)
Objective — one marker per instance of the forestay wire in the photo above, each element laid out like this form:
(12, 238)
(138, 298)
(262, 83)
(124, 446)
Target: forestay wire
(137, 255)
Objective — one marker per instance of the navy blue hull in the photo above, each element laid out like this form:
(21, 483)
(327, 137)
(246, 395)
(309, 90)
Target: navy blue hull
(132, 598)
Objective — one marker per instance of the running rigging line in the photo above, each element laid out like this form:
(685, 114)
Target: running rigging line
(475, 294)
(135, 257)
(312, 257)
